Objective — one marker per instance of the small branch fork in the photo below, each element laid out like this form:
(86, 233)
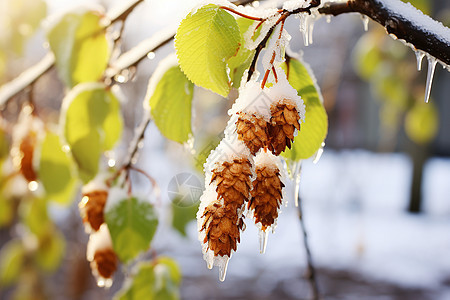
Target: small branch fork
(283, 15)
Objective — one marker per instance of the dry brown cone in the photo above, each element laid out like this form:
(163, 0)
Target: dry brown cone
(105, 262)
(91, 208)
(27, 152)
(284, 121)
(222, 219)
(253, 131)
(266, 196)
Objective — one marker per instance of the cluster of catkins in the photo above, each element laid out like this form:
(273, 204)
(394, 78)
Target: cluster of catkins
(243, 175)
(100, 252)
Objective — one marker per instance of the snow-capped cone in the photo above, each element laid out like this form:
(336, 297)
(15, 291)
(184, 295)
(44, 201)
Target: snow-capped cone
(222, 219)
(283, 122)
(267, 192)
(91, 208)
(253, 131)
(102, 258)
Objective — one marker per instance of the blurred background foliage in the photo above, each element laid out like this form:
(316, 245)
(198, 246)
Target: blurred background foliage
(34, 246)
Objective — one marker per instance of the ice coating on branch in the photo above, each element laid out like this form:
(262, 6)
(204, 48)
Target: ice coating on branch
(416, 17)
(430, 73)
(251, 42)
(274, 52)
(295, 4)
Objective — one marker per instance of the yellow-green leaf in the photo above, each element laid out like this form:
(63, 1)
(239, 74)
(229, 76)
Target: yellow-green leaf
(51, 250)
(80, 46)
(12, 257)
(170, 102)
(92, 123)
(205, 40)
(422, 122)
(56, 170)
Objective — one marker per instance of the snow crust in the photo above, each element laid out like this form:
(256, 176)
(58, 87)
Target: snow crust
(99, 240)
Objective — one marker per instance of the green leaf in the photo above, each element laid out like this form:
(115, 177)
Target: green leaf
(422, 122)
(142, 284)
(182, 215)
(132, 224)
(12, 258)
(314, 130)
(159, 280)
(51, 250)
(56, 170)
(80, 46)
(204, 42)
(170, 104)
(92, 123)
(35, 216)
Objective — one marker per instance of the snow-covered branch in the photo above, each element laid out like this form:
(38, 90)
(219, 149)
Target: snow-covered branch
(401, 20)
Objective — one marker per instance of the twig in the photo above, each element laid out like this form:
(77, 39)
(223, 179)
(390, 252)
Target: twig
(398, 23)
(311, 269)
(32, 74)
(138, 138)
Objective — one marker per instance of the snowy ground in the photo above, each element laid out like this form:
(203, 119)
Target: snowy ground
(355, 213)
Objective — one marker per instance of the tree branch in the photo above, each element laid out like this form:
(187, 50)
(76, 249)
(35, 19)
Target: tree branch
(406, 23)
(32, 74)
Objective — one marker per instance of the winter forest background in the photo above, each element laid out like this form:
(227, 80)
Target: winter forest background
(376, 205)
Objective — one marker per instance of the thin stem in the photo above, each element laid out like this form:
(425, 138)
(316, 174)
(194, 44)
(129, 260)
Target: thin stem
(139, 137)
(241, 14)
(311, 269)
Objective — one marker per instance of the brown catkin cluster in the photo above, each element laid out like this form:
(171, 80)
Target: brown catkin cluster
(26, 149)
(276, 135)
(266, 195)
(253, 131)
(223, 218)
(283, 122)
(91, 208)
(105, 262)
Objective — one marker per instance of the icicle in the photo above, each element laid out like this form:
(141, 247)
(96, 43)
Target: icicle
(328, 19)
(319, 153)
(365, 20)
(419, 56)
(304, 28)
(263, 237)
(310, 33)
(223, 268)
(431, 66)
(297, 174)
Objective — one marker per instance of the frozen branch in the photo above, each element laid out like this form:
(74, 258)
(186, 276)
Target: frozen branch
(32, 74)
(401, 20)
